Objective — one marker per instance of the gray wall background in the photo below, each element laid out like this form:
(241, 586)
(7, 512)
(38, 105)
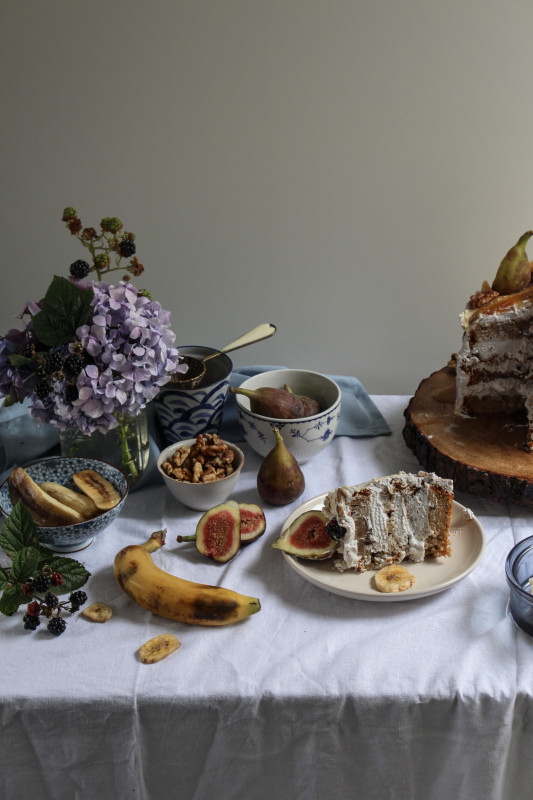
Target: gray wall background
(350, 170)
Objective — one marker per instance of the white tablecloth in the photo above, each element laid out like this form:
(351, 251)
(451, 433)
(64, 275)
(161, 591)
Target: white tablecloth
(316, 696)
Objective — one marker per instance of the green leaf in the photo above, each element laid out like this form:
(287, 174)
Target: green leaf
(25, 563)
(17, 360)
(11, 600)
(64, 308)
(74, 574)
(3, 580)
(18, 531)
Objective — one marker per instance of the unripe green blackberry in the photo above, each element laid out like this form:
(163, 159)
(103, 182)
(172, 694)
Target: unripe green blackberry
(111, 224)
(102, 261)
(69, 213)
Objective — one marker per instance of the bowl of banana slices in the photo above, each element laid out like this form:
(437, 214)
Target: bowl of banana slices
(71, 500)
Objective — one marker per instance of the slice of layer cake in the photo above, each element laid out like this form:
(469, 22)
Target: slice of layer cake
(494, 367)
(391, 519)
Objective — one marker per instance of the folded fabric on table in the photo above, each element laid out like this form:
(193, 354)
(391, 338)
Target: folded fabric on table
(359, 415)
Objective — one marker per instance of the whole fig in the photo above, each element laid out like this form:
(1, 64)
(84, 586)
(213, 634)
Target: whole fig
(514, 272)
(280, 479)
(310, 406)
(273, 403)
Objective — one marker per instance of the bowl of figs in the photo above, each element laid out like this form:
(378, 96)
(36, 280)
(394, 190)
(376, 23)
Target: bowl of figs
(304, 406)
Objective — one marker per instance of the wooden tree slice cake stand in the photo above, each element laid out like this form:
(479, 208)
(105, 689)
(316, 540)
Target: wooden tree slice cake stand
(484, 456)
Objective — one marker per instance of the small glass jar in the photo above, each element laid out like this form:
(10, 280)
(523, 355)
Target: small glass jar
(127, 446)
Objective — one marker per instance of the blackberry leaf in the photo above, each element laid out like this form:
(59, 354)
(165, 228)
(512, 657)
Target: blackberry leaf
(11, 599)
(18, 531)
(74, 574)
(25, 563)
(64, 308)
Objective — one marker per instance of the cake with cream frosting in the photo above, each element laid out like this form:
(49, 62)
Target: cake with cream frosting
(494, 367)
(390, 519)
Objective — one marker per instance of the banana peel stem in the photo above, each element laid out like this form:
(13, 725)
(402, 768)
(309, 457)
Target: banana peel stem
(156, 540)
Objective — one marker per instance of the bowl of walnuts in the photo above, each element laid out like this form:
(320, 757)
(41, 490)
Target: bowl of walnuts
(201, 472)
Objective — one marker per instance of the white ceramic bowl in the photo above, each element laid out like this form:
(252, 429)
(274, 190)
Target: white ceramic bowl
(304, 437)
(200, 496)
(69, 538)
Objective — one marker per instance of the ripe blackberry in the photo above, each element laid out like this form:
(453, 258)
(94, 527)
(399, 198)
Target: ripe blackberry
(51, 600)
(54, 362)
(30, 622)
(43, 388)
(336, 531)
(73, 365)
(78, 598)
(79, 269)
(56, 626)
(28, 350)
(127, 248)
(41, 583)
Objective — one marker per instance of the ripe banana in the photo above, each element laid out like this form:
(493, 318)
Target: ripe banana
(394, 578)
(158, 648)
(175, 598)
(45, 509)
(98, 612)
(79, 502)
(98, 488)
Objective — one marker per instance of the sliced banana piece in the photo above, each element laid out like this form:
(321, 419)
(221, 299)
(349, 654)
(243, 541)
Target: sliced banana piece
(79, 502)
(45, 509)
(98, 488)
(97, 612)
(394, 578)
(158, 648)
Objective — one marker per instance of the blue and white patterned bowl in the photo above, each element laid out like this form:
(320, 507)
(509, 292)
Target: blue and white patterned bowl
(184, 412)
(304, 437)
(69, 538)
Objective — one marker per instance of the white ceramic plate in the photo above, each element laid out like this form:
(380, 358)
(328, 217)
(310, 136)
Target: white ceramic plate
(468, 545)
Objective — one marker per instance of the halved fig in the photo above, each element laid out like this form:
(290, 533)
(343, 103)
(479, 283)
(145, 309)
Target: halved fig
(218, 533)
(253, 523)
(307, 537)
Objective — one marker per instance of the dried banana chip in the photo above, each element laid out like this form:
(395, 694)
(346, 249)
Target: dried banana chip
(98, 488)
(98, 612)
(394, 578)
(158, 648)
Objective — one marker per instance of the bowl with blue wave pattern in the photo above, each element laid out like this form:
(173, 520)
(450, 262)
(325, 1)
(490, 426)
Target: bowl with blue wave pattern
(305, 436)
(69, 538)
(184, 412)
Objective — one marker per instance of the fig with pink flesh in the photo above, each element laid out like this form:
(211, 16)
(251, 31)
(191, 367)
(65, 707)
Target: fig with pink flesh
(218, 532)
(307, 537)
(280, 479)
(273, 403)
(253, 523)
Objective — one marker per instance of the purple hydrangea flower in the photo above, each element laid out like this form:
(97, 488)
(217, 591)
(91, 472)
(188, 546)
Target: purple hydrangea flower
(128, 352)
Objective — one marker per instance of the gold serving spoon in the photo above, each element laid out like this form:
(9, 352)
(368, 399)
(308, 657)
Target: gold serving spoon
(197, 367)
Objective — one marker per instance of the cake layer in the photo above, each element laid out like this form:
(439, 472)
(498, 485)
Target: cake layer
(388, 520)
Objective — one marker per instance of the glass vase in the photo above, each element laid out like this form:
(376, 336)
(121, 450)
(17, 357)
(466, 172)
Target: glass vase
(127, 446)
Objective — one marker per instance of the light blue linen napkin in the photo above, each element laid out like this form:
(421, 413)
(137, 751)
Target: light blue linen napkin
(359, 415)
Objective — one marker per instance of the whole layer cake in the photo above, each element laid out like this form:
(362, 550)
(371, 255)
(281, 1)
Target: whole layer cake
(494, 367)
(391, 519)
